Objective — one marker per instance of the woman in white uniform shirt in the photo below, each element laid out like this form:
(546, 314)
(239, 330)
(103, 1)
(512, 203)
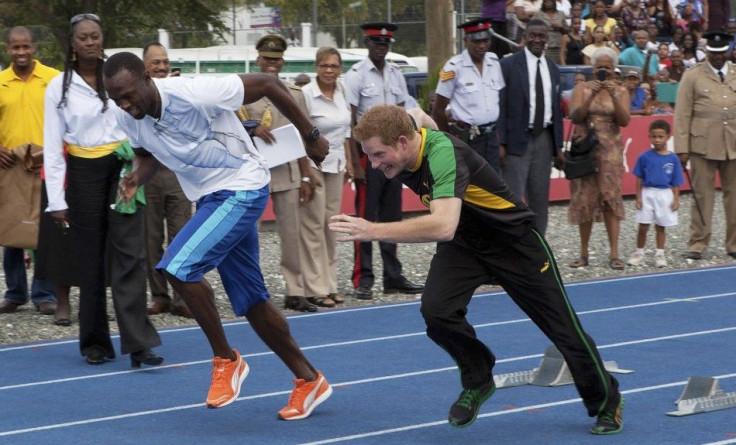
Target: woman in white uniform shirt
(330, 112)
(106, 247)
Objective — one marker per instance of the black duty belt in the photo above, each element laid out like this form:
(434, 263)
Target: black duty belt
(468, 132)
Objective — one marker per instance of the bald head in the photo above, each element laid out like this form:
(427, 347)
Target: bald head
(156, 60)
(19, 31)
(21, 50)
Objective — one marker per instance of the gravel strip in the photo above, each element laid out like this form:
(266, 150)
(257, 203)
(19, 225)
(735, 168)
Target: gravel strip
(27, 324)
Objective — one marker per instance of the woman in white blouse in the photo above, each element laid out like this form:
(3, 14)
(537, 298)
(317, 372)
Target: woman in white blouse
(105, 245)
(330, 113)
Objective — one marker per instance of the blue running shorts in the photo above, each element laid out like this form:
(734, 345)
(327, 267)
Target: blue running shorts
(222, 233)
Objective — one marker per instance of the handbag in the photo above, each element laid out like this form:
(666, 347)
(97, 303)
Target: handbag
(580, 160)
(585, 144)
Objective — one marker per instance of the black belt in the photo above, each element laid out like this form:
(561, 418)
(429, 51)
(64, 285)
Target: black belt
(483, 128)
(546, 127)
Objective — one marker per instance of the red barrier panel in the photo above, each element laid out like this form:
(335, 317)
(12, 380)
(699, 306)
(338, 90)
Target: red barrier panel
(636, 141)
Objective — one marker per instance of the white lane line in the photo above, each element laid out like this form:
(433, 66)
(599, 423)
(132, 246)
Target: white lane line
(377, 379)
(344, 438)
(395, 337)
(498, 413)
(391, 306)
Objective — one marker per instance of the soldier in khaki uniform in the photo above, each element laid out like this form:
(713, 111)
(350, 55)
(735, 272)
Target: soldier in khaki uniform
(293, 183)
(705, 134)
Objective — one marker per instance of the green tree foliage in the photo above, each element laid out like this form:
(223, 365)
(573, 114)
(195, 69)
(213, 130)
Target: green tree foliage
(126, 23)
(332, 14)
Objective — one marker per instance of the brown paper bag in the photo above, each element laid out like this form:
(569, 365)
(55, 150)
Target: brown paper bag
(20, 198)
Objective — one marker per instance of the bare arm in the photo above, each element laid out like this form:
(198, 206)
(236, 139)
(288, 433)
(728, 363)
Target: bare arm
(258, 85)
(438, 225)
(438, 112)
(563, 48)
(358, 172)
(144, 167)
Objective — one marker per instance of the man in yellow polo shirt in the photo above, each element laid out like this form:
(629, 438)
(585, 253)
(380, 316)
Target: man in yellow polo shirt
(22, 88)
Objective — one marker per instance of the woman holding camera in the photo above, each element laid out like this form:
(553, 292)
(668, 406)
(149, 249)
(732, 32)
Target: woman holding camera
(601, 105)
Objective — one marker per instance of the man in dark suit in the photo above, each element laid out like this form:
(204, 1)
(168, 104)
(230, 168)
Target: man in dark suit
(530, 123)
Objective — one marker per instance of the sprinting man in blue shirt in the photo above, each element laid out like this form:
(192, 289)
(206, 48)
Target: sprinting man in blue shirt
(658, 181)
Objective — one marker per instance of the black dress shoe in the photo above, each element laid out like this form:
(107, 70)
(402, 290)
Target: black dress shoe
(299, 304)
(403, 286)
(147, 357)
(95, 357)
(692, 255)
(363, 293)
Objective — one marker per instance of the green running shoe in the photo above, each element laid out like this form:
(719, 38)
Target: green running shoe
(610, 420)
(465, 409)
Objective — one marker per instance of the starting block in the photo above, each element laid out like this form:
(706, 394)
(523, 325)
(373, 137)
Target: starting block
(702, 395)
(552, 371)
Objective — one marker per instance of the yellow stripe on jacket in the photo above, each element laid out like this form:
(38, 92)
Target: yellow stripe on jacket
(92, 152)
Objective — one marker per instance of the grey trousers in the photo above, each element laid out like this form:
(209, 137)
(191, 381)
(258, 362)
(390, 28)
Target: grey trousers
(527, 176)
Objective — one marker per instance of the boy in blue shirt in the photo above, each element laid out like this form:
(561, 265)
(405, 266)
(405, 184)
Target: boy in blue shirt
(658, 181)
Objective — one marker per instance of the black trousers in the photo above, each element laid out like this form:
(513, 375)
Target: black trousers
(486, 145)
(379, 200)
(526, 269)
(107, 247)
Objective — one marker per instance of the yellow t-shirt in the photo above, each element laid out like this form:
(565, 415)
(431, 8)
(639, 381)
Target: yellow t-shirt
(22, 104)
(607, 27)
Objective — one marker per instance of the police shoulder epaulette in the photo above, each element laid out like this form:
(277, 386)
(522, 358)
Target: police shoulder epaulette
(446, 75)
(492, 55)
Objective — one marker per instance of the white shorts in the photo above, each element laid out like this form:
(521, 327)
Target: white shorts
(655, 207)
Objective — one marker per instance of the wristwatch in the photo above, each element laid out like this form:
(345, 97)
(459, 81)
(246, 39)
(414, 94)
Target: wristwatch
(313, 135)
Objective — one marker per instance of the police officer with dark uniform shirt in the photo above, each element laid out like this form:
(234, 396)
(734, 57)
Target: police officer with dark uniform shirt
(374, 81)
(705, 135)
(470, 83)
(292, 183)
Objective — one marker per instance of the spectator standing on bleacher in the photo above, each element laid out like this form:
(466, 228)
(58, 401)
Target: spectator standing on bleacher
(471, 83)
(374, 81)
(165, 204)
(21, 122)
(637, 54)
(496, 11)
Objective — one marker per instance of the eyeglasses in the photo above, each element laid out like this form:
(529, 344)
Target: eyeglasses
(329, 67)
(87, 16)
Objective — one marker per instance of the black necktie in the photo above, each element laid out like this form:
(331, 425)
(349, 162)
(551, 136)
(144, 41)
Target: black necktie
(539, 102)
(720, 74)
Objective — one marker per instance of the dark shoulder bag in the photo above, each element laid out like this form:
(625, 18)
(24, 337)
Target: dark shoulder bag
(580, 158)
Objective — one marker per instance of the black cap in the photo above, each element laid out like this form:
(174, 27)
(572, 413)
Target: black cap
(478, 29)
(379, 32)
(271, 45)
(717, 41)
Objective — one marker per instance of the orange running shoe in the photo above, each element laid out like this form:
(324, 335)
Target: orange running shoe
(305, 397)
(227, 377)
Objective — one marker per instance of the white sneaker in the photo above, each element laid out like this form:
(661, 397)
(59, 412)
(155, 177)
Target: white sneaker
(660, 260)
(636, 258)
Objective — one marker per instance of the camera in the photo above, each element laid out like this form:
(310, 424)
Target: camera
(601, 74)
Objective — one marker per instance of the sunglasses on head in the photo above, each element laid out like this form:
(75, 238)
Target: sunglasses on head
(86, 16)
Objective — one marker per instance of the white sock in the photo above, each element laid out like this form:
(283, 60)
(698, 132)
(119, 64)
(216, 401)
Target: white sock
(660, 252)
(640, 250)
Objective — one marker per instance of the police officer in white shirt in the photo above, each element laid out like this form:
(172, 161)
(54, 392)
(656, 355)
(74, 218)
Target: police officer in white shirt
(376, 81)
(470, 83)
